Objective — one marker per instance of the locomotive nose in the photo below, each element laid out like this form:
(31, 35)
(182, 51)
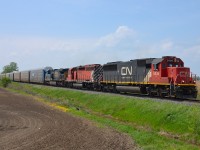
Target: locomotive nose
(180, 75)
(183, 75)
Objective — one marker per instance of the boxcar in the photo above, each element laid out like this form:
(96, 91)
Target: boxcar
(25, 76)
(38, 75)
(10, 76)
(17, 76)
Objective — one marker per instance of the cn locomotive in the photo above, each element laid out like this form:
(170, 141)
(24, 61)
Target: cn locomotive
(164, 77)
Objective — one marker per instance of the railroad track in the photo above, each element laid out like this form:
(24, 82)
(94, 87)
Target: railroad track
(165, 98)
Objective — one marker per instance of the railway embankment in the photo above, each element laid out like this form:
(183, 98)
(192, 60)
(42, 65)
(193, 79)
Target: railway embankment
(152, 124)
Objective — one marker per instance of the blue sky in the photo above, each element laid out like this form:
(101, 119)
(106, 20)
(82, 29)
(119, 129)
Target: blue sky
(66, 33)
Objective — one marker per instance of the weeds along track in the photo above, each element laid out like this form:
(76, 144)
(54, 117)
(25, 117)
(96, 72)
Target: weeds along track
(192, 101)
(134, 95)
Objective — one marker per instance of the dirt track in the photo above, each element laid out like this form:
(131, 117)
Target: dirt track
(28, 124)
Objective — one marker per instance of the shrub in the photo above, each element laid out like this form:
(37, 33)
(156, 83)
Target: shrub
(5, 81)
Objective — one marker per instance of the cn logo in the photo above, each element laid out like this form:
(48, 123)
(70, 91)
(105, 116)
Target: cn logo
(126, 71)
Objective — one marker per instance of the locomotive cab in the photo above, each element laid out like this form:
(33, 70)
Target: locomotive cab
(176, 72)
(170, 69)
(170, 77)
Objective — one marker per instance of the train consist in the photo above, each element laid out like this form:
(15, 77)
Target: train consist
(164, 77)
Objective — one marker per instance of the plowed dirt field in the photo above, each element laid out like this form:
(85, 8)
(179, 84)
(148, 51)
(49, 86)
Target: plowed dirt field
(31, 125)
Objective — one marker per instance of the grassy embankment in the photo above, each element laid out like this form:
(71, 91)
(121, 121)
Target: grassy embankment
(152, 124)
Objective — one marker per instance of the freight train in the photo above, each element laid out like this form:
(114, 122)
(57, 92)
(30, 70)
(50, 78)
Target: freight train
(164, 77)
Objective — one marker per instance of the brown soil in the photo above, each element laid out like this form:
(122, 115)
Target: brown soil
(28, 124)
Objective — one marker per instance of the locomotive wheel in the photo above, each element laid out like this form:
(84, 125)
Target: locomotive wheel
(151, 94)
(161, 95)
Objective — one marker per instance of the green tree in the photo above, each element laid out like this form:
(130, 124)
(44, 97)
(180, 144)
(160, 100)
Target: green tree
(10, 68)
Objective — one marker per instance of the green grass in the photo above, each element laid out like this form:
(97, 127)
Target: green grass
(144, 139)
(152, 124)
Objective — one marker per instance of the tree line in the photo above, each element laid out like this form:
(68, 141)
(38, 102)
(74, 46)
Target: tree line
(10, 68)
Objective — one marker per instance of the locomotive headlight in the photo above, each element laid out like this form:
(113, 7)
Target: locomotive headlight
(182, 81)
(194, 81)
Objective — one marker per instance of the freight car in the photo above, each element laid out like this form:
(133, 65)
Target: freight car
(17, 76)
(10, 76)
(38, 75)
(25, 76)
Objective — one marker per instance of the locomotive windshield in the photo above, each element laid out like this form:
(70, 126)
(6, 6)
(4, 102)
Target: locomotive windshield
(164, 65)
(174, 65)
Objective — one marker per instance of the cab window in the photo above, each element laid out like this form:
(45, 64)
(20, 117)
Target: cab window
(170, 65)
(155, 66)
(163, 66)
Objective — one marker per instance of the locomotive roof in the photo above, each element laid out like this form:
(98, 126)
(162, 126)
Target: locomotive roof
(157, 60)
(147, 60)
(115, 62)
(142, 59)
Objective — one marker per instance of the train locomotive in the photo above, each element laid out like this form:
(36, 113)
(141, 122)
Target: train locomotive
(164, 77)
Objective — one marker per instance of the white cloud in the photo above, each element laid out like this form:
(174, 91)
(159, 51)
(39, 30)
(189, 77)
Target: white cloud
(112, 39)
(167, 45)
(35, 44)
(194, 50)
(123, 44)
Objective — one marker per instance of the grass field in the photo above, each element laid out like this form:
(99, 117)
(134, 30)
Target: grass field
(152, 124)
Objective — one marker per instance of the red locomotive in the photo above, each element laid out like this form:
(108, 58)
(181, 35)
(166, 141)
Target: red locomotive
(176, 80)
(88, 76)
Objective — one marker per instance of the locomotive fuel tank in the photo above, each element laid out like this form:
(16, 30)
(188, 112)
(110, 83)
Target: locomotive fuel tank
(77, 85)
(128, 89)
